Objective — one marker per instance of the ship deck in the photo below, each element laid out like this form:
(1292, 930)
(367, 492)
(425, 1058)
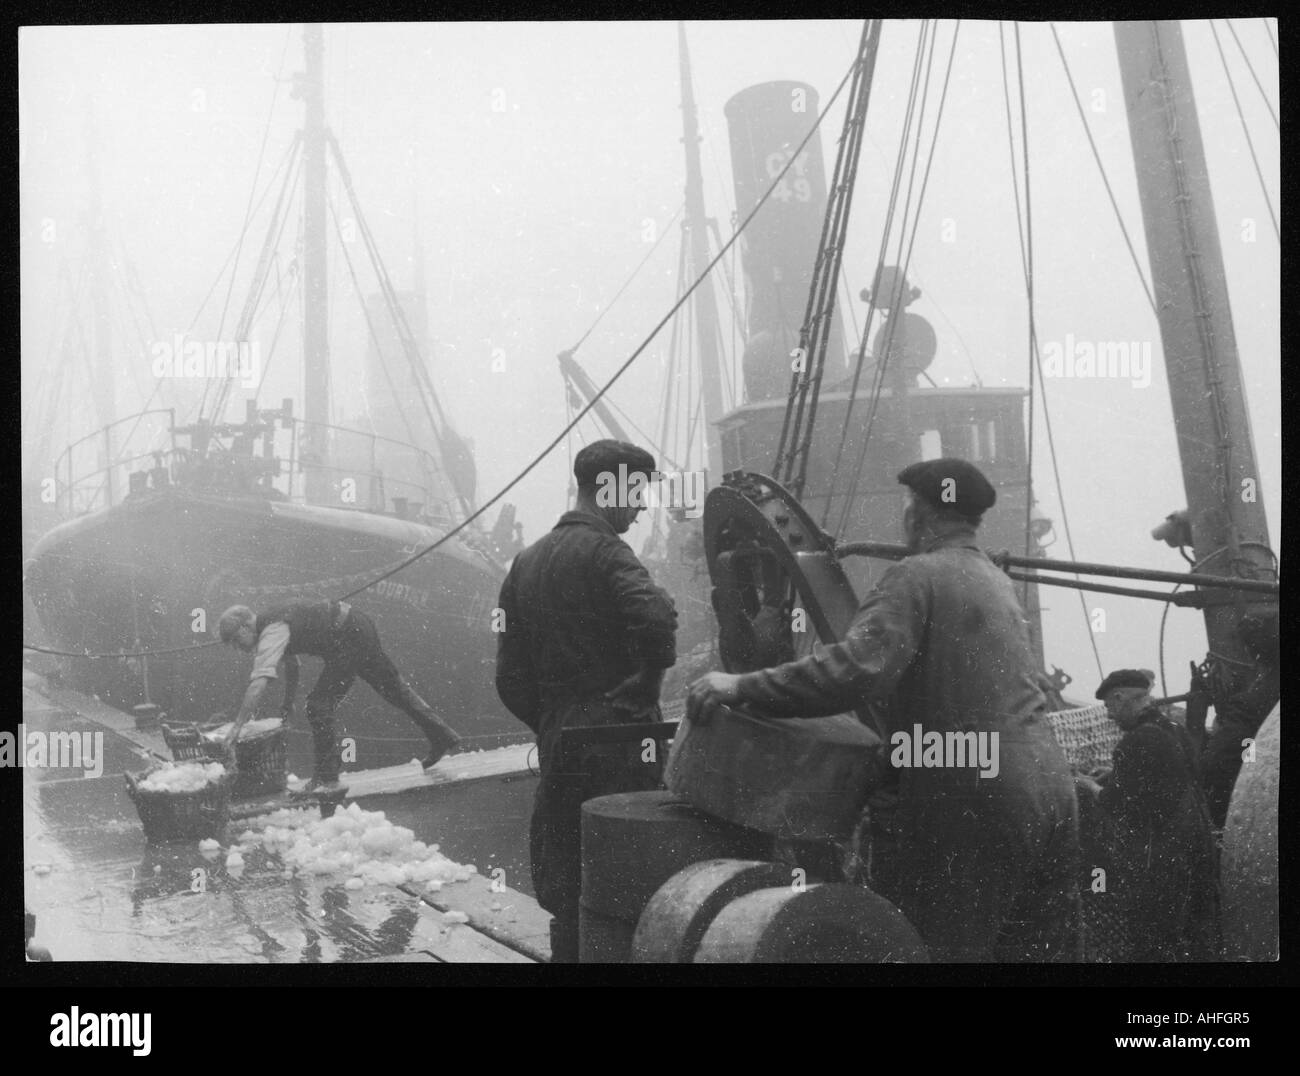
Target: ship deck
(100, 892)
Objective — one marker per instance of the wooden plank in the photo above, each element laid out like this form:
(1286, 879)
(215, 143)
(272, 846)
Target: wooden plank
(470, 766)
(509, 917)
(460, 943)
(448, 942)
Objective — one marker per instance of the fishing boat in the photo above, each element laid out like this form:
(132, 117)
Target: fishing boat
(166, 521)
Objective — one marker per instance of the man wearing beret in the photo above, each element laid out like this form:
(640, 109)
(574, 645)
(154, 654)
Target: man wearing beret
(586, 641)
(1161, 849)
(983, 868)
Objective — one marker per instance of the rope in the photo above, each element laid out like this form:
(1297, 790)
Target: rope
(628, 282)
(1251, 68)
(626, 364)
(120, 653)
(1029, 302)
(877, 379)
(248, 211)
(1250, 142)
(1036, 357)
(1078, 105)
(1269, 31)
(911, 242)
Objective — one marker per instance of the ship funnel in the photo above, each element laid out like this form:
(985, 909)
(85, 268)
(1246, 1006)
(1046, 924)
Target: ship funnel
(766, 123)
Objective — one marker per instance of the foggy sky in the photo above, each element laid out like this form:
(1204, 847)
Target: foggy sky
(531, 218)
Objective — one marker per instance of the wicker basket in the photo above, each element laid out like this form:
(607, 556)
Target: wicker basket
(181, 816)
(261, 758)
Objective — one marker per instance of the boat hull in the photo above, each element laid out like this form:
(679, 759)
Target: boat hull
(156, 572)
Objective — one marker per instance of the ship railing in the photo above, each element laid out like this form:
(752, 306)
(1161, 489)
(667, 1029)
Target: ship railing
(80, 489)
(389, 476)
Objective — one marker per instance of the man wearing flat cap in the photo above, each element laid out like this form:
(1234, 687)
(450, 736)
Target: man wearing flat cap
(586, 641)
(1157, 829)
(983, 867)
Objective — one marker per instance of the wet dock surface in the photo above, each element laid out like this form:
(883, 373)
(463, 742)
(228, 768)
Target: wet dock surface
(101, 892)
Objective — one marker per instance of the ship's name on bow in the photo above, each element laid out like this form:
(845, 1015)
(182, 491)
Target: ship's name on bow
(403, 592)
(474, 613)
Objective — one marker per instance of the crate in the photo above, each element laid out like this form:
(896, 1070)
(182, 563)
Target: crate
(261, 758)
(181, 816)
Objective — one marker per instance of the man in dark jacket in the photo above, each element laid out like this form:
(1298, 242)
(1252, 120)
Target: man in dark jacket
(982, 862)
(346, 638)
(586, 640)
(1160, 846)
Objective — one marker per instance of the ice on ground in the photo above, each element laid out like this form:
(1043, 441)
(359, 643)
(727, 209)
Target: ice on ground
(209, 844)
(182, 777)
(354, 883)
(455, 917)
(41, 868)
(234, 860)
(359, 843)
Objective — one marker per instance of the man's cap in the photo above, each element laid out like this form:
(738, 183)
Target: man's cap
(1125, 678)
(601, 457)
(950, 484)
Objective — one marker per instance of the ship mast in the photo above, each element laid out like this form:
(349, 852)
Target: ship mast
(1225, 504)
(316, 356)
(696, 228)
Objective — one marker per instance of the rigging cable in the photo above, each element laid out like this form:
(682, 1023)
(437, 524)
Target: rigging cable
(248, 211)
(1032, 343)
(1078, 105)
(1035, 356)
(1269, 30)
(911, 242)
(370, 326)
(1250, 142)
(569, 427)
(819, 314)
(777, 179)
(628, 283)
(877, 379)
(1251, 68)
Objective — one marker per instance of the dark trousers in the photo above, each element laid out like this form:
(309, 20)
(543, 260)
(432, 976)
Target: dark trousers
(569, 779)
(1220, 764)
(357, 652)
(986, 871)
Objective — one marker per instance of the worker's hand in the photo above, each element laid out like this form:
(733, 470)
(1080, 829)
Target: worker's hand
(712, 689)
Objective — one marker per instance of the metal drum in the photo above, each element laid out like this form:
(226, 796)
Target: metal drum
(823, 924)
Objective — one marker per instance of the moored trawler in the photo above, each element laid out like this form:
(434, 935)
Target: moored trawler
(218, 521)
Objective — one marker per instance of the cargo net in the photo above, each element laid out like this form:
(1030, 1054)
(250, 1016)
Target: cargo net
(1087, 735)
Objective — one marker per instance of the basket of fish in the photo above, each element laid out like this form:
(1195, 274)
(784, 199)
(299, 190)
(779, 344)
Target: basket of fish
(261, 755)
(181, 801)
